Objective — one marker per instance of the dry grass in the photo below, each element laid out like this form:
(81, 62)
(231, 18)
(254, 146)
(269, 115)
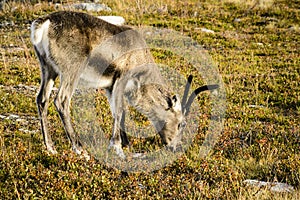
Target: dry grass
(257, 4)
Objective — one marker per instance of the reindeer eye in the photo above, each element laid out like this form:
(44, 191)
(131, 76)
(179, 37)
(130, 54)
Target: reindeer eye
(182, 125)
(179, 125)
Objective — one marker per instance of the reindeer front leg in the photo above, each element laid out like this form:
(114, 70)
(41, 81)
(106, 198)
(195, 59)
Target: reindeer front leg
(125, 141)
(116, 104)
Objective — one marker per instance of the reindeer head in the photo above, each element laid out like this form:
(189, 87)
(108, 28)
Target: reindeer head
(166, 111)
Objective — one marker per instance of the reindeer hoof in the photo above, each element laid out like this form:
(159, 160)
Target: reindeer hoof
(81, 152)
(51, 150)
(118, 149)
(86, 156)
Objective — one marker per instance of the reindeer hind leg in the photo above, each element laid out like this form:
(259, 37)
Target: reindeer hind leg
(48, 76)
(62, 103)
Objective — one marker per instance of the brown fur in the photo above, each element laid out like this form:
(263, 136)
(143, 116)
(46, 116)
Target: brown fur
(84, 48)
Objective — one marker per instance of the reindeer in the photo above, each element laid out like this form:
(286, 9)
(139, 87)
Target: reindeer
(80, 48)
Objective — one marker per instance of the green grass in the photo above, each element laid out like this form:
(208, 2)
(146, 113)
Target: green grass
(258, 59)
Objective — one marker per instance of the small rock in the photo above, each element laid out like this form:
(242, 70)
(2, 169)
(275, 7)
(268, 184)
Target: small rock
(141, 186)
(205, 30)
(293, 28)
(138, 155)
(195, 14)
(272, 186)
(117, 20)
(20, 120)
(95, 7)
(26, 87)
(256, 106)
(237, 20)
(27, 131)
(272, 19)
(13, 116)
(6, 23)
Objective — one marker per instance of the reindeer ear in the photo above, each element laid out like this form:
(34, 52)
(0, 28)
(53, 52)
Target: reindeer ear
(131, 90)
(131, 85)
(176, 105)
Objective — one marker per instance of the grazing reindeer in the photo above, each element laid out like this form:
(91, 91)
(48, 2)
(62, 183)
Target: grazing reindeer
(78, 47)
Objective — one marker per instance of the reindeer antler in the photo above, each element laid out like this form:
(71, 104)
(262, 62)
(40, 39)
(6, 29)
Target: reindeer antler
(186, 104)
(186, 91)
